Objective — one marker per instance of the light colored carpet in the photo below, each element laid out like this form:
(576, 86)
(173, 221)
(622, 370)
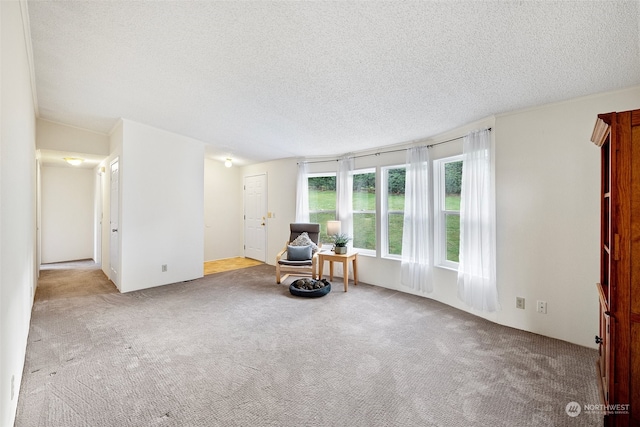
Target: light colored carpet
(235, 349)
(228, 264)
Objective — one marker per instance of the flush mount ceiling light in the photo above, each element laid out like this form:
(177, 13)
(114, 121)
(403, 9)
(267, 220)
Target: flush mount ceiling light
(228, 163)
(74, 161)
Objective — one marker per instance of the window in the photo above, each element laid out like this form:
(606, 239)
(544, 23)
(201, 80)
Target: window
(364, 209)
(448, 185)
(393, 179)
(322, 201)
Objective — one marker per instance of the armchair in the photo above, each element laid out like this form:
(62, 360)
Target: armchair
(299, 255)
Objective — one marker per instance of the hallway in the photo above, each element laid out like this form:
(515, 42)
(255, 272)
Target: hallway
(72, 279)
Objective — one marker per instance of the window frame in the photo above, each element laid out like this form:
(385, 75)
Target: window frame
(440, 212)
(364, 251)
(385, 211)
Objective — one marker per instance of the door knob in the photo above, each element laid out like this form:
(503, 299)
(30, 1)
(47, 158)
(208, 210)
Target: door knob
(113, 230)
(262, 223)
(599, 340)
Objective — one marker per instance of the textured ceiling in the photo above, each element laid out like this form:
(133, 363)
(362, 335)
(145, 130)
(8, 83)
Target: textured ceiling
(266, 80)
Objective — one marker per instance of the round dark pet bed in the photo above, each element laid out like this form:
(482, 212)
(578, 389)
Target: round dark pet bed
(310, 288)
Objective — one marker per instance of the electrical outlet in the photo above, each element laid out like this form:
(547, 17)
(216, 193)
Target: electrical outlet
(541, 307)
(164, 268)
(520, 303)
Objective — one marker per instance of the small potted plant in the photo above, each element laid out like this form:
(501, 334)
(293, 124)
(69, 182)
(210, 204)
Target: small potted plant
(341, 240)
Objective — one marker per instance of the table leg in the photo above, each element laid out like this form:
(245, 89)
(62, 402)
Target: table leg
(345, 271)
(355, 270)
(320, 268)
(331, 270)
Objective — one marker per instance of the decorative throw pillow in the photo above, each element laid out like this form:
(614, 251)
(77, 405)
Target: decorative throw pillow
(304, 240)
(299, 253)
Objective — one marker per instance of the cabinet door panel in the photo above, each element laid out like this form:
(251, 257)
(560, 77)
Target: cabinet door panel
(635, 373)
(635, 220)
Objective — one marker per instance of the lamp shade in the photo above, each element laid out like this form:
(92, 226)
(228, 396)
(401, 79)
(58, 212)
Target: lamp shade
(333, 228)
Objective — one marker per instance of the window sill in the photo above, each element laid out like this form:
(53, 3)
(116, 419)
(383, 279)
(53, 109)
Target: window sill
(447, 267)
(365, 252)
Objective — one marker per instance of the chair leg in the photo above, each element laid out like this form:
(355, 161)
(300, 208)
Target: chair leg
(278, 274)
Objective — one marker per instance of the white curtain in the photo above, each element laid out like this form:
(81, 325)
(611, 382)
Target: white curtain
(477, 268)
(417, 241)
(344, 193)
(302, 194)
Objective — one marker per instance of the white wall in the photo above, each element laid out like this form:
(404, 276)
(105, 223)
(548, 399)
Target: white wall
(548, 214)
(223, 219)
(60, 137)
(162, 209)
(17, 201)
(547, 207)
(67, 213)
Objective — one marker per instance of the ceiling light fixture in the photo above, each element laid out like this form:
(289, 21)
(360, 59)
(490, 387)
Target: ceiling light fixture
(74, 161)
(228, 162)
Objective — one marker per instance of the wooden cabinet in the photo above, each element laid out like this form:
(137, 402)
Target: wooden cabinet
(618, 366)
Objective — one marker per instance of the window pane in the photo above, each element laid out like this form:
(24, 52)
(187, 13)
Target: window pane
(395, 179)
(364, 208)
(364, 192)
(452, 185)
(395, 189)
(364, 230)
(396, 223)
(452, 222)
(322, 203)
(322, 193)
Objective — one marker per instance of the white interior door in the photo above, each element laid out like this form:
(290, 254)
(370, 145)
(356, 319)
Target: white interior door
(97, 219)
(114, 214)
(255, 217)
(38, 217)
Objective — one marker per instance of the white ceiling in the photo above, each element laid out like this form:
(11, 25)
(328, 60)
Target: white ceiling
(264, 80)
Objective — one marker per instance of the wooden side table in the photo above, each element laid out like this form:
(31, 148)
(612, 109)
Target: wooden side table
(344, 259)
